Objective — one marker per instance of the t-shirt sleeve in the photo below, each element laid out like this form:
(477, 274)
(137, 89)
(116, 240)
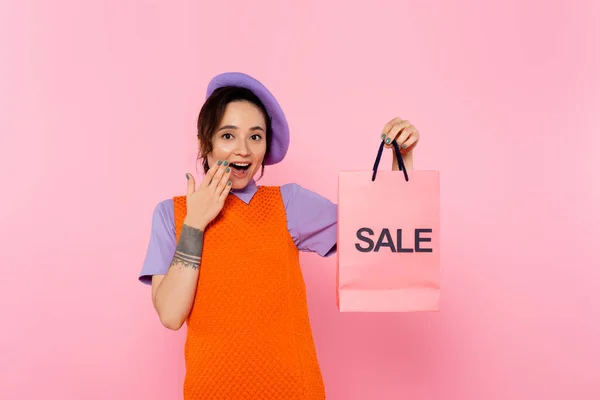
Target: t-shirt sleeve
(162, 242)
(311, 219)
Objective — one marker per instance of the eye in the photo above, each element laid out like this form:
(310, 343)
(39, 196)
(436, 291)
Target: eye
(256, 137)
(227, 136)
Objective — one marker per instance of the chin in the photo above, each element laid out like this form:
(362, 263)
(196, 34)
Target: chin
(237, 184)
(240, 183)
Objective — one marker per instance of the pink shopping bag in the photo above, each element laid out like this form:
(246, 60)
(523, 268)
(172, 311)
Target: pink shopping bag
(388, 240)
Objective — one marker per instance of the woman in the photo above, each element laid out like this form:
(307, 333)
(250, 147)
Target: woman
(227, 265)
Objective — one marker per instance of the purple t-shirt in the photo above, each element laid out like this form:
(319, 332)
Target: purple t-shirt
(311, 222)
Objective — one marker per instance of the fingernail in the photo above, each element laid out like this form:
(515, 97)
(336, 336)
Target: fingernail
(219, 162)
(387, 141)
(229, 183)
(403, 145)
(187, 176)
(227, 170)
(225, 163)
(383, 136)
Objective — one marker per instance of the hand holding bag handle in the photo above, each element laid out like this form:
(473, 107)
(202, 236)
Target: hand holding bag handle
(398, 157)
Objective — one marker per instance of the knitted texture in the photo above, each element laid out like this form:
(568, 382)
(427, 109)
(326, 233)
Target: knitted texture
(248, 333)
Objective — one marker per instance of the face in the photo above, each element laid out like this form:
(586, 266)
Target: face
(240, 139)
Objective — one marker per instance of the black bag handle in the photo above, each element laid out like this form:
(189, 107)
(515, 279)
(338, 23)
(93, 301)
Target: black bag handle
(398, 157)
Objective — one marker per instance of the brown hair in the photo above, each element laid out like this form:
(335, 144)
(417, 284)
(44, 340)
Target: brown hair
(212, 113)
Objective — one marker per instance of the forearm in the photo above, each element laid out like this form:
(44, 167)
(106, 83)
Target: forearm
(175, 295)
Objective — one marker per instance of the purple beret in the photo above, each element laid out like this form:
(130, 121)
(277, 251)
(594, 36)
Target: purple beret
(280, 138)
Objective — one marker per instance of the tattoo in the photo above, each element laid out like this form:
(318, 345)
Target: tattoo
(189, 248)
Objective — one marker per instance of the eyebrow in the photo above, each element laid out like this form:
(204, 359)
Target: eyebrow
(254, 128)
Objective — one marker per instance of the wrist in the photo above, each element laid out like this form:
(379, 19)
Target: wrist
(190, 243)
(407, 159)
(199, 225)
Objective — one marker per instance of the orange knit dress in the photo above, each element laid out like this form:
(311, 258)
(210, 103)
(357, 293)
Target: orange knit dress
(248, 333)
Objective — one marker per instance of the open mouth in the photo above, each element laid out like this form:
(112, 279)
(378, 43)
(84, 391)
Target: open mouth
(240, 166)
(239, 170)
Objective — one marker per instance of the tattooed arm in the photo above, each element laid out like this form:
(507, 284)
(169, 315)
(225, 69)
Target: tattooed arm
(173, 293)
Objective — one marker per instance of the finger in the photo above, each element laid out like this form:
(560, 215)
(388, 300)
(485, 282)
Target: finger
(389, 125)
(221, 186)
(394, 131)
(210, 174)
(409, 144)
(225, 191)
(223, 169)
(191, 185)
(222, 173)
(404, 135)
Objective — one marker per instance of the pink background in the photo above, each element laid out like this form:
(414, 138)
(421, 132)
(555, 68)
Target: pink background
(99, 101)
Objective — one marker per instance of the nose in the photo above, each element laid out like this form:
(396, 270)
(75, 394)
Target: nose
(242, 148)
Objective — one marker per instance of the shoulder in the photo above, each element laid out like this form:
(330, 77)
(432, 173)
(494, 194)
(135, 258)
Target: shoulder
(288, 191)
(293, 193)
(312, 219)
(164, 209)
(163, 216)
(161, 246)
(303, 204)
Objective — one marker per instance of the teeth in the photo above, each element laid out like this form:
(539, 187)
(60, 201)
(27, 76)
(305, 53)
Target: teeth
(241, 164)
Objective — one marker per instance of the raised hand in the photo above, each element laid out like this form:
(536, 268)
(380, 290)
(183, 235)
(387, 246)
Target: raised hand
(403, 132)
(205, 202)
